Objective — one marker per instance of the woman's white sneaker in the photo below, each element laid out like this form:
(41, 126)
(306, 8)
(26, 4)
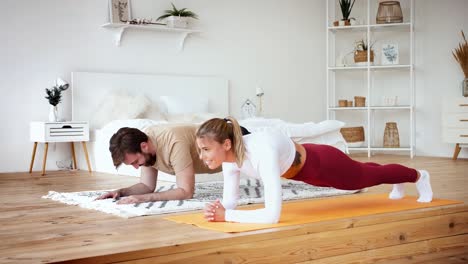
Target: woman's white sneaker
(424, 187)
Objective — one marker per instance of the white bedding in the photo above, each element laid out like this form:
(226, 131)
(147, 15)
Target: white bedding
(325, 132)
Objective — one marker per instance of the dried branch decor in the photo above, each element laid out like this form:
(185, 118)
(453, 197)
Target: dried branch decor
(346, 7)
(461, 55)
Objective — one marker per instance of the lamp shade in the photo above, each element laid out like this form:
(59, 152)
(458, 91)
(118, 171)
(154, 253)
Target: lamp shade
(259, 91)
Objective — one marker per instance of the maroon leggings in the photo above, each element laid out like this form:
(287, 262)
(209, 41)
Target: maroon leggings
(327, 166)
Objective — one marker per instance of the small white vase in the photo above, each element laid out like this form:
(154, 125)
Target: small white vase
(53, 113)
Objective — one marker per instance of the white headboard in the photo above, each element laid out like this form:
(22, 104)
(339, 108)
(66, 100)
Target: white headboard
(90, 89)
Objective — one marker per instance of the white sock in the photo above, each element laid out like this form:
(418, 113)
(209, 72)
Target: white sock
(424, 187)
(398, 192)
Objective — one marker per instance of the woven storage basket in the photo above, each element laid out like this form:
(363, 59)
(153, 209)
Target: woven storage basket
(359, 101)
(353, 134)
(361, 56)
(389, 12)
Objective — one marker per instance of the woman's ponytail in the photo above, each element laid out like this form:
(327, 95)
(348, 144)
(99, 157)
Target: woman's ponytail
(237, 142)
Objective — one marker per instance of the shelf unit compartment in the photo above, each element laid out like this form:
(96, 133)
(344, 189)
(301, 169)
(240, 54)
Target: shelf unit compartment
(401, 39)
(407, 7)
(387, 85)
(378, 123)
(341, 50)
(355, 119)
(359, 12)
(342, 87)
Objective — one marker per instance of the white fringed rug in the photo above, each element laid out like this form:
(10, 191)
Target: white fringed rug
(251, 191)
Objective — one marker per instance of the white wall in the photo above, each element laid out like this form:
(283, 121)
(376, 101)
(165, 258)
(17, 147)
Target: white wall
(278, 44)
(438, 26)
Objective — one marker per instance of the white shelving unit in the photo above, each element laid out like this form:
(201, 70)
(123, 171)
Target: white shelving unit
(119, 29)
(375, 112)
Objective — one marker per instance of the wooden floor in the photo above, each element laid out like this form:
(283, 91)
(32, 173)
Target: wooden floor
(35, 230)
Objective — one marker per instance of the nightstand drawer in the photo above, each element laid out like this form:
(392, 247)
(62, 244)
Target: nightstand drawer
(456, 120)
(455, 135)
(59, 131)
(455, 105)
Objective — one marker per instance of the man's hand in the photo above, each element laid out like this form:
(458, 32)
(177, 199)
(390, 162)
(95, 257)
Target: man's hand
(134, 199)
(215, 212)
(112, 194)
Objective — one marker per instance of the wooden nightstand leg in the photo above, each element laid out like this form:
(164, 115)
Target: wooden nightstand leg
(73, 155)
(33, 156)
(45, 157)
(456, 152)
(86, 155)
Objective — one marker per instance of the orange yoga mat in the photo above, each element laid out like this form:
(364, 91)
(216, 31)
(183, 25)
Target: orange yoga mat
(309, 211)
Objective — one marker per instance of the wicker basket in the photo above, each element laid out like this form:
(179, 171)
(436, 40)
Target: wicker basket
(389, 12)
(359, 101)
(353, 134)
(361, 56)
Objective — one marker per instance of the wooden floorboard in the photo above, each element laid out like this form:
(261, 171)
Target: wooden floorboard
(35, 230)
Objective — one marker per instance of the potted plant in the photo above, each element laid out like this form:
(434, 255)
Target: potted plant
(360, 52)
(177, 18)
(346, 7)
(461, 56)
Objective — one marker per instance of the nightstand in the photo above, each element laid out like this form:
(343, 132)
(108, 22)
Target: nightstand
(455, 123)
(55, 132)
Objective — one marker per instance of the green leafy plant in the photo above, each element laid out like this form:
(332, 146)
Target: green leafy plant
(461, 55)
(178, 12)
(54, 94)
(362, 45)
(346, 7)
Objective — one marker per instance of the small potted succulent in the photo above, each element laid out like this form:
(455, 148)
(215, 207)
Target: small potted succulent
(346, 7)
(360, 52)
(177, 18)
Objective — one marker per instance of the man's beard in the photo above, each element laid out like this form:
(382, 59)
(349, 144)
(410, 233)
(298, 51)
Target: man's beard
(150, 159)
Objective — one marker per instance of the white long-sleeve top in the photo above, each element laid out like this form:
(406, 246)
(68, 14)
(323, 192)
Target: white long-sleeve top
(269, 154)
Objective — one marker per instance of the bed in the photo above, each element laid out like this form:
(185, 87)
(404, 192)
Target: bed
(109, 101)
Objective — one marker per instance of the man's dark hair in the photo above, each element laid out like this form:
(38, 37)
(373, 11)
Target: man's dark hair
(126, 140)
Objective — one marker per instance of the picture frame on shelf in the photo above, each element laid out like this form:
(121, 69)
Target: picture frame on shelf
(390, 53)
(119, 11)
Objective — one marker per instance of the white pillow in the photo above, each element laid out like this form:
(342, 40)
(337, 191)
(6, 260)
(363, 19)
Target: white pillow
(119, 106)
(185, 104)
(190, 117)
(112, 127)
(154, 112)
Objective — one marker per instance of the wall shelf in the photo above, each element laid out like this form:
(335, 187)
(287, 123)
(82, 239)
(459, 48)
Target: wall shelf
(372, 67)
(374, 27)
(397, 107)
(119, 30)
(379, 149)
